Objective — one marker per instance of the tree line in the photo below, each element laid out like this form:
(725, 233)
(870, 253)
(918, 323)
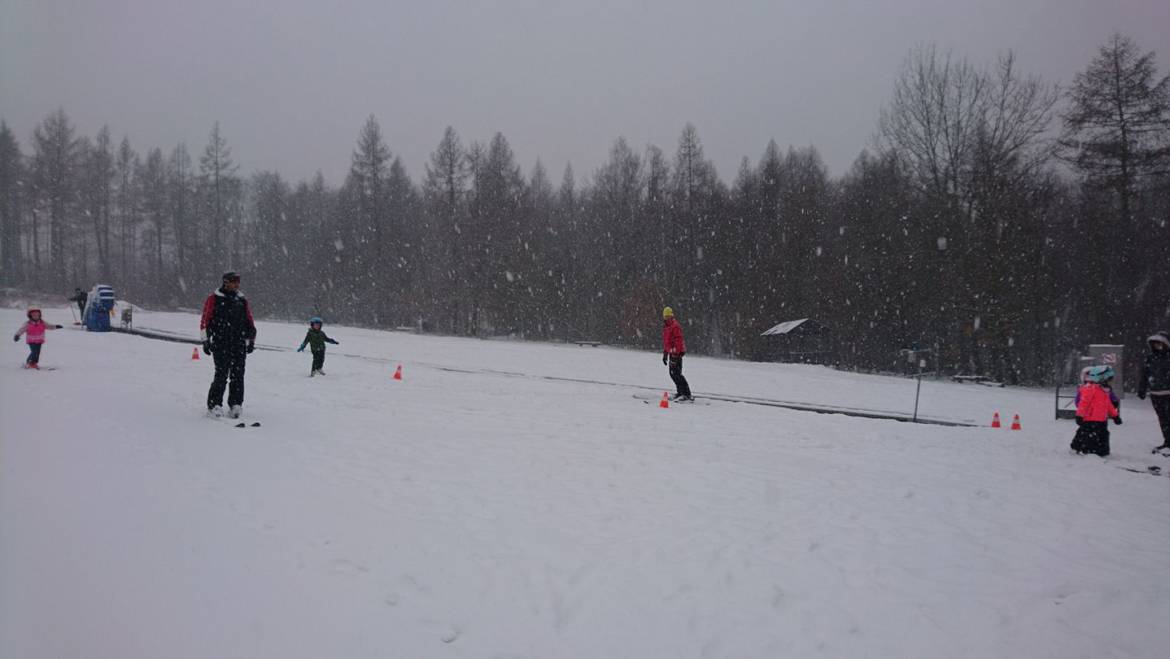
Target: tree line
(996, 219)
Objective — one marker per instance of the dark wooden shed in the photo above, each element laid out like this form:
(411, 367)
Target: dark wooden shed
(802, 341)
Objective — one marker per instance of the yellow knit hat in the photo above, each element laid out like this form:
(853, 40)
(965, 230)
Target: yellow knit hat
(667, 312)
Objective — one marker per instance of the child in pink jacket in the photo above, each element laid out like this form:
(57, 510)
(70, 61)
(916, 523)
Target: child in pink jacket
(34, 329)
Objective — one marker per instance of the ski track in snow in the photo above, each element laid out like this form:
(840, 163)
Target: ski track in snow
(465, 515)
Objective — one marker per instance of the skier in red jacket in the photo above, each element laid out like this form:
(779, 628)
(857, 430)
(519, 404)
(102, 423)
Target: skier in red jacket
(1094, 409)
(673, 349)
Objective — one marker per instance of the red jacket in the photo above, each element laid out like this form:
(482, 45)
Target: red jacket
(1095, 404)
(672, 338)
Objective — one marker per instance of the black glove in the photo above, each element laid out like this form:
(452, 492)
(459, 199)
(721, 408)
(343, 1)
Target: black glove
(1080, 421)
(16, 337)
(1142, 395)
(1117, 420)
(207, 347)
(664, 359)
(60, 327)
(251, 347)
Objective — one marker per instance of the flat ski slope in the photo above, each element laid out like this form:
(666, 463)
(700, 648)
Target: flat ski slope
(478, 509)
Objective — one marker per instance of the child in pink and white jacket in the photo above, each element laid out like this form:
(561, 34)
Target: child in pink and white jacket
(34, 328)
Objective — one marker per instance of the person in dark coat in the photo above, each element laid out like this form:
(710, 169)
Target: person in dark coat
(673, 349)
(1155, 382)
(80, 297)
(316, 339)
(228, 334)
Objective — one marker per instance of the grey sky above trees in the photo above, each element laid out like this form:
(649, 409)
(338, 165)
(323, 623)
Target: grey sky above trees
(292, 81)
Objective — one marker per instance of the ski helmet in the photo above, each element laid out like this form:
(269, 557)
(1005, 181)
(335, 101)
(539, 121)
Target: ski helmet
(667, 312)
(1101, 374)
(231, 275)
(316, 320)
(31, 311)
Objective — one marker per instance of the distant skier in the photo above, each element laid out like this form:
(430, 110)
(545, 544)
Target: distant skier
(34, 329)
(80, 297)
(1155, 382)
(1094, 410)
(229, 335)
(673, 349)
(316, 340)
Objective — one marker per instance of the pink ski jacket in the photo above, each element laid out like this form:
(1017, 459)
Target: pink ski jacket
(34, 330)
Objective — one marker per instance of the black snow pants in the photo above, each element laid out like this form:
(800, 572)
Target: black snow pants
(318, 359)
(680, 382)
(34, 353)
(1162, 409)
(1092, 437)
(229, 363)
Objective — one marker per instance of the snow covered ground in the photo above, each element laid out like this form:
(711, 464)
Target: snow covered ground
(479, 509)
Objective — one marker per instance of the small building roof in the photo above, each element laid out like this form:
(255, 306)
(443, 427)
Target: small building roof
(784, 327)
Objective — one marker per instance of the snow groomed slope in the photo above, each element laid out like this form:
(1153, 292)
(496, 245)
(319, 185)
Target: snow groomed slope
(469, 511)
(178, 337)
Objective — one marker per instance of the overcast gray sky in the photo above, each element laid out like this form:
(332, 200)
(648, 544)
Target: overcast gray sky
(291, 81)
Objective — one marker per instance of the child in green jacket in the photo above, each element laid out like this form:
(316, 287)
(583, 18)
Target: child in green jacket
(316, 340)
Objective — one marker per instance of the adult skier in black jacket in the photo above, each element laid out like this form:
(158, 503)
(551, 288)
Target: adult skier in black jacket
(1155, 382)
(229, 335)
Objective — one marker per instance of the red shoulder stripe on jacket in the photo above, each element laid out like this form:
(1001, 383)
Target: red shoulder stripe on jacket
(251, 323)
(208, 311)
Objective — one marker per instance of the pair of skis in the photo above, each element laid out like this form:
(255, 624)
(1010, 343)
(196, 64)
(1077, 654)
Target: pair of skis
(236, 423)
(654, 400)
(1155, 470)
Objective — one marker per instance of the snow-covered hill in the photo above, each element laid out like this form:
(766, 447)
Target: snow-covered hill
(479, 508)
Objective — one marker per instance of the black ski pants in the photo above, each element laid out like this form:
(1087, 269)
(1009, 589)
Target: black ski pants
(229, 364)
(680, 382)
(318, 359)
(34, 353)
(1162, 409)
(1092, 437)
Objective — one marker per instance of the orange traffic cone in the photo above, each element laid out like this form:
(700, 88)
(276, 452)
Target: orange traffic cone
(665, 402)
(1016, 422)
(398, 372)
(995, 421)
(194, 354)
